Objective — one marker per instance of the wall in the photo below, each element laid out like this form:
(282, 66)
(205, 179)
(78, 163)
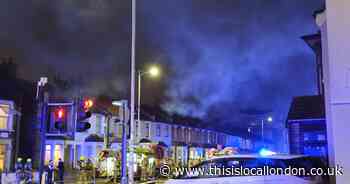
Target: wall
(336, 46)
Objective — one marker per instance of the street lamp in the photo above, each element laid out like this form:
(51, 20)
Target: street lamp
(153, 72)
(132, 87)
(269, 119)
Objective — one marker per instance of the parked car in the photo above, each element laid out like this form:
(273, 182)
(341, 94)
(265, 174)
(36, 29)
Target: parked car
(202, 174)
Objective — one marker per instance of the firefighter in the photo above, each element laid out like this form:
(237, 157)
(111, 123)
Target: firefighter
(19, 165)
(83, 169)
(28, 166)
(19, 169)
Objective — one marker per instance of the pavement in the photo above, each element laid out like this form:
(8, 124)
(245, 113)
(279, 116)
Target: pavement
(74, 177)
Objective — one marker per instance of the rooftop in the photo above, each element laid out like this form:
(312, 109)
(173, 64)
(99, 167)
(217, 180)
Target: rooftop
(307, 107)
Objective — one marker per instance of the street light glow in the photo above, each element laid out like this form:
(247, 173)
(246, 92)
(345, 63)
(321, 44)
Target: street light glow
(269, 119)
(118, 103)
(154, 71)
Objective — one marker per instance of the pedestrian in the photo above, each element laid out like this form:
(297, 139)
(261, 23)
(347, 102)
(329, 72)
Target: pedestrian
(60, 170)
(50, 171)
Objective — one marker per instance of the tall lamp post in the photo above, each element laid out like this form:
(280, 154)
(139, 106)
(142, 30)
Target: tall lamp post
(269, 119)
(153, 71)
(132, 88)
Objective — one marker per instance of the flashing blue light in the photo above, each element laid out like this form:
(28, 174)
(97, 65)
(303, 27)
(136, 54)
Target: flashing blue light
(266, 152)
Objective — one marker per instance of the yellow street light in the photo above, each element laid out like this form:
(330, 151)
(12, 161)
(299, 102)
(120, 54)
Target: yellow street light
(154, 71)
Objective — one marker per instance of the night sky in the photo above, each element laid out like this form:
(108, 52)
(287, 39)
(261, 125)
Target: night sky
(218, 57)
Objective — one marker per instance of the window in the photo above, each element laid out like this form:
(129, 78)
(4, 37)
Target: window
(208, 137)
(136, 128)
(166, 131)
(58, 153)
(98, 124)
(2, 156)
(89, 151)
(321, 137)
(47, 154)
(173, 133)
(158, 130)
(314, 136)
(186, 134)
(119, 130)
(78, 151)
(179, 133)
(4, 113)
(147, 130)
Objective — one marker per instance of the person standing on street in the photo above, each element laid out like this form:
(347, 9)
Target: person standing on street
(50, 171)
(60, 167)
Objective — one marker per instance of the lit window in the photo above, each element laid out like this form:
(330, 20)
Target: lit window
(58, 153)
(47, 154)
(4, 113)
(2, 156)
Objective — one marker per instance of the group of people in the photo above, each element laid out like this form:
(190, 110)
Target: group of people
(51, 169)
(24, 170)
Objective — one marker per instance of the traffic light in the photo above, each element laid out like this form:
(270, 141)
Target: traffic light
(60, 119)
(84, 113)
(88, 104)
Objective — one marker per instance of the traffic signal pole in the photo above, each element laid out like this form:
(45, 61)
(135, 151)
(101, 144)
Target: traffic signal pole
(75, 107)
(43, 100)
(124, 179)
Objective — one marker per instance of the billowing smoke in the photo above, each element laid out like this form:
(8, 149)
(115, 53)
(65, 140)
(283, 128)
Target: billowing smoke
(85, 42)
(228, 56)
(220, 56)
